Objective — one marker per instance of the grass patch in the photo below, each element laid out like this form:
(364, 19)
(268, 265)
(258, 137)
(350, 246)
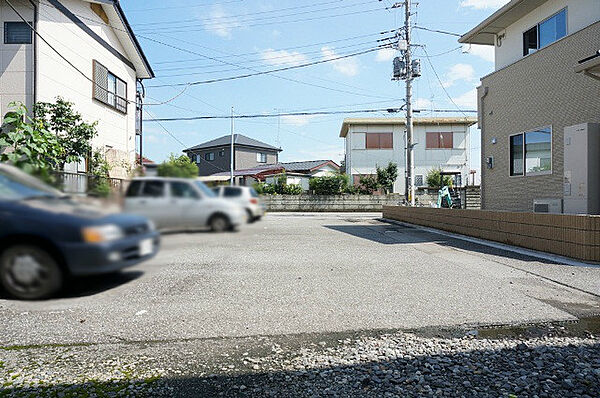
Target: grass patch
(36, 346)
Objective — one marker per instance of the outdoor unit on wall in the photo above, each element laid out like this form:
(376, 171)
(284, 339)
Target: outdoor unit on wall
(553, 206)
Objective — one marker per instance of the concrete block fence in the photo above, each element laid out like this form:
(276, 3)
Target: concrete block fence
(575, 236)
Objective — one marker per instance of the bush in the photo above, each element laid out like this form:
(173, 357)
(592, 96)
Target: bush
(181, 167)
(367, 185)
(434, 179)
(329, 185)
(293, 189)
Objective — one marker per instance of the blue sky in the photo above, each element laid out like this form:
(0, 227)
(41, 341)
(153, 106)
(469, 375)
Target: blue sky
(265, 34)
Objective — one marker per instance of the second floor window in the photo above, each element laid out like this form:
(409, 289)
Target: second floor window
(439, 141)
(379, 141)
(545, 33)
(209, 156)
(108, 88)
(261, 157)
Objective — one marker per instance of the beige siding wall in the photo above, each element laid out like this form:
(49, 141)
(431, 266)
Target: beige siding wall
(245, 158)
(539, 90)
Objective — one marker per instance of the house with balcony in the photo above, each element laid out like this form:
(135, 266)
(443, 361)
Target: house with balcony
(99, 67)
(440, 143)
(539, 111)
(214, 156)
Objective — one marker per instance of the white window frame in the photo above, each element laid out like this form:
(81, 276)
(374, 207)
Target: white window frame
(260, 156)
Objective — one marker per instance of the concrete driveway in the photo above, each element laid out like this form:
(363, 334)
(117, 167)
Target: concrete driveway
(305, 273)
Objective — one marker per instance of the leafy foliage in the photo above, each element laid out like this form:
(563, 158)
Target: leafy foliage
(434, 179)
(74, 135)
(329, 185)
(387, 176)
(27, 144)
(100, 169)
(293, 189)
(367, 184)
(181, 167)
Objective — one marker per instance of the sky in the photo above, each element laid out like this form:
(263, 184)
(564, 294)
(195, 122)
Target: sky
(190, 41)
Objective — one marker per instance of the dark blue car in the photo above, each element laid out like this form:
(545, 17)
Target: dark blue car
(46, 237)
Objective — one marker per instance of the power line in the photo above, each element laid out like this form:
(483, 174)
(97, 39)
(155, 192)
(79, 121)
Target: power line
(440, 81)
(265, 115)
(271, 71)
(236, 18)
(438, 31)
(225, 62)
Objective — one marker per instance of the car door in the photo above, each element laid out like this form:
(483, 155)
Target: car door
(151, 201)
(187, 200)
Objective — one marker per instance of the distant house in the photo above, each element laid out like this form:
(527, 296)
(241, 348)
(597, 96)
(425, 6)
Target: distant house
(296, 172)
(93, 36)
(441, 143)
(539, 111)
(215, 156)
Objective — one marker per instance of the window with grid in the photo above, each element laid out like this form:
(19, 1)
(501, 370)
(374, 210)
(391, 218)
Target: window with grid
(108, 88)
(439, 141)
(261, 157)
(209, 156)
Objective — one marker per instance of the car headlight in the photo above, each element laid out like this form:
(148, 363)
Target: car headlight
(101, 233)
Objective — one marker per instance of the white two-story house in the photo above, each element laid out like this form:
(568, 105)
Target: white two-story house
(441, 143)
(539, 111)
(107, 65)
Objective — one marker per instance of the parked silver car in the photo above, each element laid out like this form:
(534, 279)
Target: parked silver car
(247, 197)
(178, 203)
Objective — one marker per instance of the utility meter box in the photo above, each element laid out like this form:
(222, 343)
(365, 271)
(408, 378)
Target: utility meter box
(581, 184)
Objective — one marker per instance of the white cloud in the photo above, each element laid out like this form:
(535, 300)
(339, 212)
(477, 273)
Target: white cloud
(346, 66)
(467, 101)
(282, 57)
(483, 4)
(220, 23)
(459, 72)
(484, 52)
(385, 54)
(297, 120)
(332, 152)
(422, 103)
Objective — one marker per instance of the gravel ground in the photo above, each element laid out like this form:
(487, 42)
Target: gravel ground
(552, 364)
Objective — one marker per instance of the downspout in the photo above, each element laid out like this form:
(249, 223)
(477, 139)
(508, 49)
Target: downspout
(140, 104)
(483, 163)
(35, 51)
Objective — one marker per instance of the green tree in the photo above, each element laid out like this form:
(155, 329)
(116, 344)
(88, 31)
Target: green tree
(180, 166)
(367, 184)
(434, 179)
(74, 135)
(27, 144)
(387, 176)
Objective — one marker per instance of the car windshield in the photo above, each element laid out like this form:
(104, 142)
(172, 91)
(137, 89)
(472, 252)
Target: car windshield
(17, 185)
(206, 191)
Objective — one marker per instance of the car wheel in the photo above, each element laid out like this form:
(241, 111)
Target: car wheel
(29, 272)
(219, 223)
(251, 217)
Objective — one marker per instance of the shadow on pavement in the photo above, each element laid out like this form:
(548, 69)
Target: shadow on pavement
(392, 234)
(544, 371)
(91, 285)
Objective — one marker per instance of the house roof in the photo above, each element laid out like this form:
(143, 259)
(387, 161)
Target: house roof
(238, 139)
(122, 29)
(512, 11)
(433, 121)
(306, 166)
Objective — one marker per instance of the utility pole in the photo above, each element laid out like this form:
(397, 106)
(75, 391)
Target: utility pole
(405, 68)
(232, 150)
(410, 156)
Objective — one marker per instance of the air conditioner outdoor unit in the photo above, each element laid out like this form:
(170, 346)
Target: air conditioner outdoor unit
(553, 206)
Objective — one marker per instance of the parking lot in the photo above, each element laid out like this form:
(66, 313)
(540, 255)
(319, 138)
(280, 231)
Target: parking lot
(287, 281)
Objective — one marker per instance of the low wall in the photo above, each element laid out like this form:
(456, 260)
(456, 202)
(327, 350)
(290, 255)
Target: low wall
(576, 236)
(320, 203)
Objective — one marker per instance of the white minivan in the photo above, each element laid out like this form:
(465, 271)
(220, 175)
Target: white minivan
(179, 203)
